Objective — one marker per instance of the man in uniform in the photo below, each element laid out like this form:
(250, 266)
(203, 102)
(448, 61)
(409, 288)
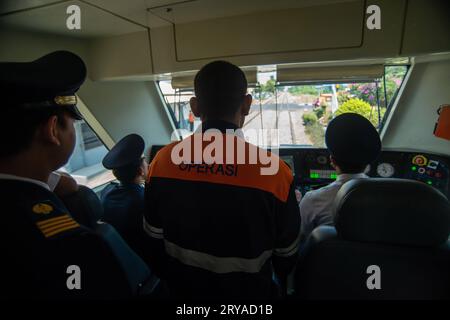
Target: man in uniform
(353, 143)
(45, 252)
(123, 202)
(220, 229)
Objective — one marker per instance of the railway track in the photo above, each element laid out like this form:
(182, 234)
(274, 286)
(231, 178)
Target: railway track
(282, 115)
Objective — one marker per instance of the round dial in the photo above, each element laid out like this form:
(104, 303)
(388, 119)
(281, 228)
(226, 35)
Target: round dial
(322, 159)
(385, 170)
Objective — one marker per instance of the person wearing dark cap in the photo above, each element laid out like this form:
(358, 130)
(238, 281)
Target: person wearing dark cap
(353, 142)
(40, 241)
(123, 202)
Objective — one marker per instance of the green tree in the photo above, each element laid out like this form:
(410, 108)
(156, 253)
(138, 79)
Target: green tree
(316, 134)
(320, 110)
(342, 97)
(368, 91)
(266, 89)
(365, 91)
(300, 90)
(362, 108)
(269, 86)
(314, 129)
(309, 118)
(394, 77)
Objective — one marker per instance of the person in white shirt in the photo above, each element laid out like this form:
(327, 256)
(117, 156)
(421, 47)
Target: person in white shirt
(353, 143)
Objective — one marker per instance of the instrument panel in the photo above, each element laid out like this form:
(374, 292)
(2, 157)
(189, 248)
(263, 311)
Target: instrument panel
(312, 168)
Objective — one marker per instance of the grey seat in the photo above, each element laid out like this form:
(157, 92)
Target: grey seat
(400, 226)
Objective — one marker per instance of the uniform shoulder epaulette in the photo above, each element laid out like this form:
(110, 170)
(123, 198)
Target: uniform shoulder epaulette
(51, 220)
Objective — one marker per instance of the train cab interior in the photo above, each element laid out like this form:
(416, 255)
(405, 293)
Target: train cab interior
(306, 62)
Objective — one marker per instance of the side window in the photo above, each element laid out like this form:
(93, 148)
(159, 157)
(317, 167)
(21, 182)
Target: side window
(90, 140)
(85, 164)
(393, 79)
(177, 99)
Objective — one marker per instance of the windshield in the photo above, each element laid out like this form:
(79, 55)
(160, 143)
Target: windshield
(300, 113)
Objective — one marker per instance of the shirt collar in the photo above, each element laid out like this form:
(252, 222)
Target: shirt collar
(349, 176)
(130, 184)
(217, 124)
(4, 176)
(222, 126)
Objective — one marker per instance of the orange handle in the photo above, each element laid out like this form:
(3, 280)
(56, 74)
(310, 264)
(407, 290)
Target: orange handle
(442, 129)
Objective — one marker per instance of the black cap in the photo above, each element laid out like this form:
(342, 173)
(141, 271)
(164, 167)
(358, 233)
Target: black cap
(48, 82)
(352, 139)
(128, 151)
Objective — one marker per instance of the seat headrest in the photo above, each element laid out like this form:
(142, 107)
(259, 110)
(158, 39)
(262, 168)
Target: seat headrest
(84, 206)
(392, 211)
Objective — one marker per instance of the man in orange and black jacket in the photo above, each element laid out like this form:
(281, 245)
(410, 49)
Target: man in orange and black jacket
(221, 229)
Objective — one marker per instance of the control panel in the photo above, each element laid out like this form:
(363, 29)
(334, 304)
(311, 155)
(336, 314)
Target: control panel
(313, 169)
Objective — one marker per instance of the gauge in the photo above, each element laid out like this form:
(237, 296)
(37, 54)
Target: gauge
(420, 160)
(433, 164)
(322, 159)
(385, 170)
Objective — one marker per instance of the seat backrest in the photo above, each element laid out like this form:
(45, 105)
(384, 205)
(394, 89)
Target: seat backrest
(84, 206)
(389, 233)
(140, 277)
(86, 209)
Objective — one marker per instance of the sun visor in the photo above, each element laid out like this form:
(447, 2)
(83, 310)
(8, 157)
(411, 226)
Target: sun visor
(183, 82)
(330, 74)
(187, 81)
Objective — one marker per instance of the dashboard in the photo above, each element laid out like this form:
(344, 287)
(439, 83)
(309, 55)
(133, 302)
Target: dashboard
(312, 169)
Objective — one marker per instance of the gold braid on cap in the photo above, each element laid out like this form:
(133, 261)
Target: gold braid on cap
(65, 100)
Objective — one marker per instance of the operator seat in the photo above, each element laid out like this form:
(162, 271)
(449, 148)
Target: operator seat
(86, 209)
(399, 226)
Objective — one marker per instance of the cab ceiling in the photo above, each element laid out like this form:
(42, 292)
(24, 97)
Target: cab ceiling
(115, 17)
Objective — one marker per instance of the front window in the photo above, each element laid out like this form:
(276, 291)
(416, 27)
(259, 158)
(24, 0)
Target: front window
(300, 112)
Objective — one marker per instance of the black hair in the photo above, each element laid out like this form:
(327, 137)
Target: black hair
(220, 88)
(350, 167)
(127, 174)
(19, 128)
